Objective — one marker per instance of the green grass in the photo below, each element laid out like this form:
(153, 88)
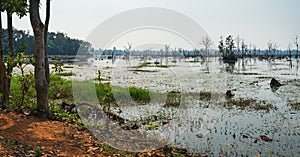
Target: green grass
(65, 74)
(139, 94)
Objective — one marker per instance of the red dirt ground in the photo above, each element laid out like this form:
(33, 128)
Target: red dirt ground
(55, 138)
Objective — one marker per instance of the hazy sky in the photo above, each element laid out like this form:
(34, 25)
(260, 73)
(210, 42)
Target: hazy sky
(257, 21)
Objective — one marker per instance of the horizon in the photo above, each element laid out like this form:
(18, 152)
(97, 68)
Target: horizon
(258, 22)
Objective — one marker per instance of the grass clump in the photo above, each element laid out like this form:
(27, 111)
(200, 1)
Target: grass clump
(65, 74)
(139, 94)
(60, 88)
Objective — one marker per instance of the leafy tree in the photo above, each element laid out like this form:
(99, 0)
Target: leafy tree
(229, 45)
(227, 51)
(10, 6)
(221, 46)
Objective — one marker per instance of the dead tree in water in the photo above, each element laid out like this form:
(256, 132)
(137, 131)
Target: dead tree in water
(206, 42)
(127, 53)
(290, 56)
(297, 47)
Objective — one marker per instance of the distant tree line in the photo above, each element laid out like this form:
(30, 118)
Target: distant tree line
(57, 44)
(233, 48)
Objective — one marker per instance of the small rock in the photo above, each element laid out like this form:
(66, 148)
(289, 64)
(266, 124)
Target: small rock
(245, 136)
(274, 84)
(229, 94)
(199, 135)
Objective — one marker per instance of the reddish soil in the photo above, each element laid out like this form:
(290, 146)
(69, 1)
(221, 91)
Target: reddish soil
(20, 133)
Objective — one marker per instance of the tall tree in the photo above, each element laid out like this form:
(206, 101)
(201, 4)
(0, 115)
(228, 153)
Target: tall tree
(3, 77)
(41, 82)
(221, 46)
(20, 8)
(229, 45)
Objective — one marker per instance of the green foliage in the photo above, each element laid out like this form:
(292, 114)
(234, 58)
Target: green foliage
(58, 67)
(65, 74)
(60, 88)
(38, 151)
(19, 7)
(62, 115)
(229, 45)
(58, 43)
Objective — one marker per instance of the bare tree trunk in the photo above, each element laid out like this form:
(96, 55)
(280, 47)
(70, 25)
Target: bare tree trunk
(41, 82)
(3, 76)
(46, 39)
(10, 45)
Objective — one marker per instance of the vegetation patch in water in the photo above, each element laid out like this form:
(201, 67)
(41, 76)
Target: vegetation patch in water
(205, 95)
(145, 64)
(249, 103)
(173, 99)
(140, 70)
(295, 106)
(139, 94)
(248, 73)
(164, 66)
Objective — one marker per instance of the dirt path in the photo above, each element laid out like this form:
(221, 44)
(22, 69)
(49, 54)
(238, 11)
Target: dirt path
(20, 135)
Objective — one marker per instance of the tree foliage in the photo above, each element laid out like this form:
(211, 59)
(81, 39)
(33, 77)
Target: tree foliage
(58, 43)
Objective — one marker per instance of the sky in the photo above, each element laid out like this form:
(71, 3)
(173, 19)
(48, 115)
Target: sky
(256, 21)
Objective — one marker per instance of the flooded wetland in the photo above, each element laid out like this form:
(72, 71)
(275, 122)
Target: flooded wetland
(207, 107)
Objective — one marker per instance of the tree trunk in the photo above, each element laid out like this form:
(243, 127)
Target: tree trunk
(41, 82)
(1, 47)
(3, 76)
(10, 45)
(46, 39)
